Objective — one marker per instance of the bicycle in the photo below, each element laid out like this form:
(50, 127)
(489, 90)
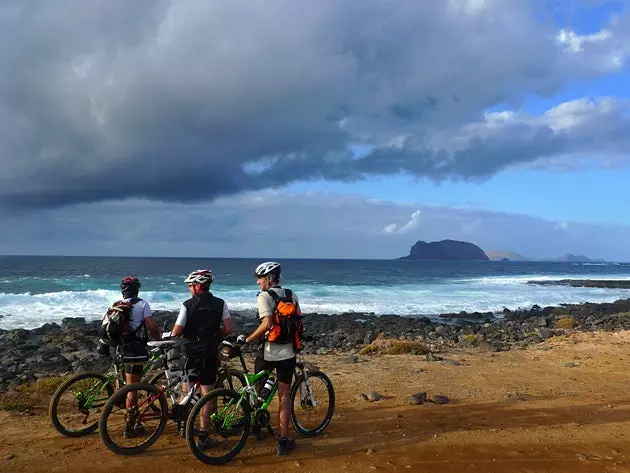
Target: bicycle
(85, 394)
(241, 408)
(153, 404)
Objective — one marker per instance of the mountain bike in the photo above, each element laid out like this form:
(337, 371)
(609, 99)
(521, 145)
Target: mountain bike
(131, 429)
(232, 412)
(76, 405)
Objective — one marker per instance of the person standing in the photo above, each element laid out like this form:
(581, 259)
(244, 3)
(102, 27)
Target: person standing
(204, 319)
(275, 354)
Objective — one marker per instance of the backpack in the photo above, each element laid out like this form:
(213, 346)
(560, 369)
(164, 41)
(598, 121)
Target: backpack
(115, 327)
(287, 320)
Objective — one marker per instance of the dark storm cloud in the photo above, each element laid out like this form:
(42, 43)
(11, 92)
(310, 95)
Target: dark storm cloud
(191, 100)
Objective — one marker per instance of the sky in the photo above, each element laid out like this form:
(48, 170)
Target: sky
(328, 129)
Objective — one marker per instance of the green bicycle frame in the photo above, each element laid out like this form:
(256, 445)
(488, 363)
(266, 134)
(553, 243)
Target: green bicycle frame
(88, 398)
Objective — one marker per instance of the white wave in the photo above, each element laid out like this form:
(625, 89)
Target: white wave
(482, 294)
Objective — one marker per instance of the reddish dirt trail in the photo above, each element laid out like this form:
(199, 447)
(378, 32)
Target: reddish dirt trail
(520, 411)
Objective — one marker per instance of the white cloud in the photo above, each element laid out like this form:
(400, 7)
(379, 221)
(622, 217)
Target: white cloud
(411, 224)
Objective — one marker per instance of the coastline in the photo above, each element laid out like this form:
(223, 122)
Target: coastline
(58, 349)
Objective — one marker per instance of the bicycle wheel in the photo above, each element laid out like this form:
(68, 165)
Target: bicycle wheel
(312, 409)
(226, 419)
(76, 405)
(131, 430)
(230, 379)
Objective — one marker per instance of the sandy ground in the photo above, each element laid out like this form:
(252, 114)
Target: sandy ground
(561, 406)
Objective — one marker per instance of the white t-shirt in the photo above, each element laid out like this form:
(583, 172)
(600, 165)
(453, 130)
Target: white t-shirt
(182, 318)
(140, 311)
(266, 307)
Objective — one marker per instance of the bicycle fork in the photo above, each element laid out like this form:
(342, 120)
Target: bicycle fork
(306, 392)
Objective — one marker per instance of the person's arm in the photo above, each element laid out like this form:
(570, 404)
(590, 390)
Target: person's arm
(265, 325)
(180, 323)
(266, 306)
(226, 321)
(154, 330)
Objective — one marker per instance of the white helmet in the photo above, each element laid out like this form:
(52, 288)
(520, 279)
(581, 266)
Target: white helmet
(269, 267)
(200, 276)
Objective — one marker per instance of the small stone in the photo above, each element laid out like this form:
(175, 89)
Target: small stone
(570, 364)
(9, 456)
(352, 359)
(417, 398)
(452, 362)
(431, 357)
(369, 451)
(439, 399)
(373, 396)
(298, 464)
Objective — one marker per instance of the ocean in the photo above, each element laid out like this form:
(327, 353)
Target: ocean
(39, 289)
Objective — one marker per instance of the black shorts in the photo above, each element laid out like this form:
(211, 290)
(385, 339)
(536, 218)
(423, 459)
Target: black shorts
(284, 369)
(132, 352)
(203, 370)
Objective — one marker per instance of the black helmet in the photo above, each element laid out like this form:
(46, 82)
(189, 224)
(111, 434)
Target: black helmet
(130, 284)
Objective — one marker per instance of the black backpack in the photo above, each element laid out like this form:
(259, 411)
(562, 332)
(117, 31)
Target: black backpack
(115, 327)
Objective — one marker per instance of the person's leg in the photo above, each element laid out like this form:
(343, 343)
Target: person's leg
(207, 379)
(285, 370)
(133, 373)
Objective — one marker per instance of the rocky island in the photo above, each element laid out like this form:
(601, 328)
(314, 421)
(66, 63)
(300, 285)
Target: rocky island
(452, 250)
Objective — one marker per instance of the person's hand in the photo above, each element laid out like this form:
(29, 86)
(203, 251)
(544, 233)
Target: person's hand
(242, 339)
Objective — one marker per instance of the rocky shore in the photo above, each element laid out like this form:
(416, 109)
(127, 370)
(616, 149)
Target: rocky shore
(601, 283)
(54, 349)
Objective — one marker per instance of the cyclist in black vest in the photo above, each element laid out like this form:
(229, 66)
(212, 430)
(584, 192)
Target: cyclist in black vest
(203, 318)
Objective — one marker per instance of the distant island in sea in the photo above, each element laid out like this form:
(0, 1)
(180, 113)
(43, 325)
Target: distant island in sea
(454, 250)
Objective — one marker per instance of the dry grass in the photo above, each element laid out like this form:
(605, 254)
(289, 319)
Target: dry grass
(385, 346)
(566, 322)
(14, 401)
(43, 385)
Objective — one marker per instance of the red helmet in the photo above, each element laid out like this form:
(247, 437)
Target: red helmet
(130, 283)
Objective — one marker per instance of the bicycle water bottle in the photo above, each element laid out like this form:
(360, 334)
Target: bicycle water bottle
(264, 392)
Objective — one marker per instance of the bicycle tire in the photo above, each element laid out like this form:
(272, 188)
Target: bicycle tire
(223, 377)
(190, 427)
(54, 404)
(117, 398)
(331, 406)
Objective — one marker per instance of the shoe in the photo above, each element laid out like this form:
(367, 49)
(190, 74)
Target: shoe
(204, 442)
(134, 431)
(256, 432)
(285, 446)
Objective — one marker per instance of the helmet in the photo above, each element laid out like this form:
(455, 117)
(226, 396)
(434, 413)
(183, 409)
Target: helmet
(200, 276)
(269, 267)
(130, 284)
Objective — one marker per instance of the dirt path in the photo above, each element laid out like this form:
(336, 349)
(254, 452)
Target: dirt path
(562, 406)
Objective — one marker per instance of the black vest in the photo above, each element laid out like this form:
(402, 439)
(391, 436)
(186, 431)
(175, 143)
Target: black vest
(204, 318)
